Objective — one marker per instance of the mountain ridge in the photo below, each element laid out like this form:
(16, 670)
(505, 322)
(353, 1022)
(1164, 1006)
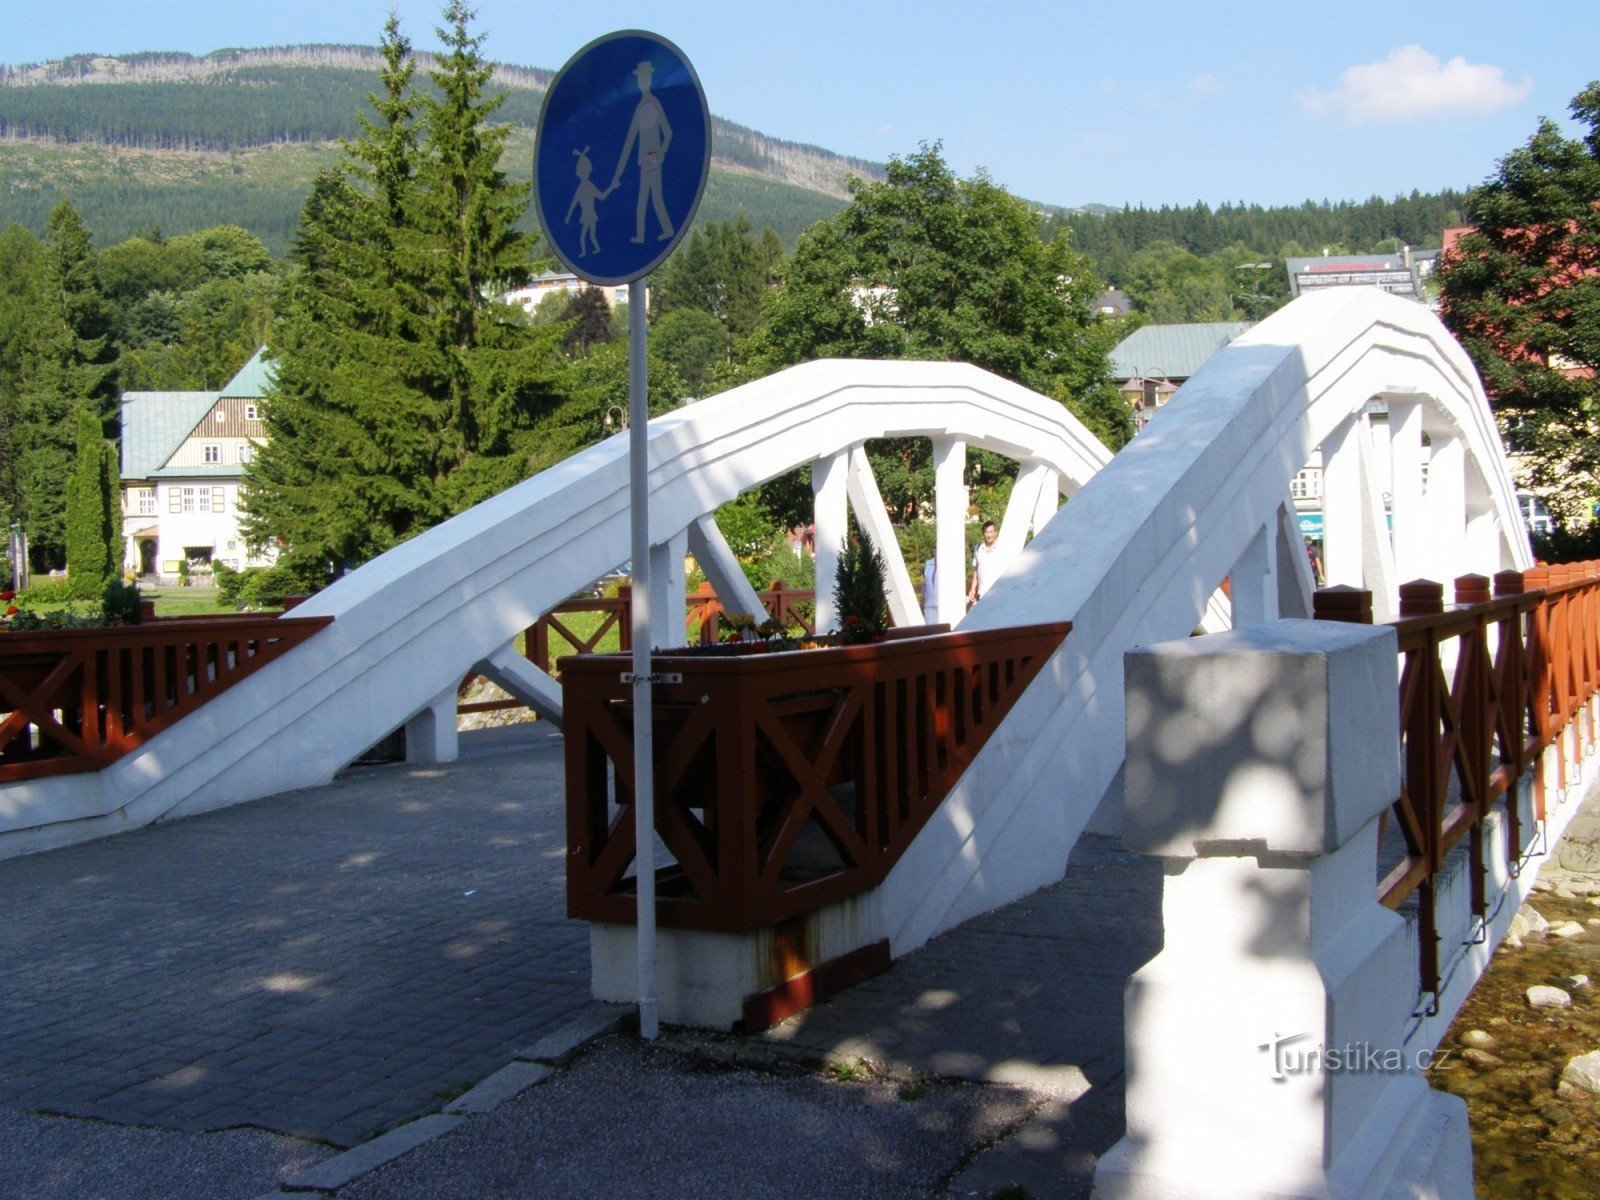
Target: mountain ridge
(798, 164)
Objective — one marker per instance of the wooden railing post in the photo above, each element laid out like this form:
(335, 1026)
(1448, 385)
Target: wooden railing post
(625, 620)
(1421, 598)
(1342, 603)
(1472, 589)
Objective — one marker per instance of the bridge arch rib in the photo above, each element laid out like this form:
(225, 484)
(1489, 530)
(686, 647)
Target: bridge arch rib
(412, 622)
(1200, 494)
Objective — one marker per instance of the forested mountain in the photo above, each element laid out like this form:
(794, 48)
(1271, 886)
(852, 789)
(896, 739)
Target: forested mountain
(1112, 237)
(183, 143)
(236, 136)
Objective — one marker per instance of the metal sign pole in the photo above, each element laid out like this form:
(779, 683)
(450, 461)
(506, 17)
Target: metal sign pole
(631, 102)
(644, 806)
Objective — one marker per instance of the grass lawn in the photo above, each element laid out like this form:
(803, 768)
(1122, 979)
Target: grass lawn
(185, 601)
(583, 624)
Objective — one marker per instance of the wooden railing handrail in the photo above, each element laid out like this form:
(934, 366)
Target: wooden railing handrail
(860, 743)
(1508, 699)
(76, 700)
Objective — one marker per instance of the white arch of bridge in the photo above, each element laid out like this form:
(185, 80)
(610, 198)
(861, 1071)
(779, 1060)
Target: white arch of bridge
(1201, 494)
(412, 622)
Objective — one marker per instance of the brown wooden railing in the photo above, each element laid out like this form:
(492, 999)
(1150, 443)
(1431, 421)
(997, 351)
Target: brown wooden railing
(703, 614)
(77, 700)
(1487, 687)
(783, 781)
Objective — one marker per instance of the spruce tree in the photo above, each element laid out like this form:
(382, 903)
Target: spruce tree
(404, 392)
(73, 367)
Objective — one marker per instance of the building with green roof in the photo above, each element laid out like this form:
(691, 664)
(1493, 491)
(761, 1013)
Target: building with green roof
(183, 461)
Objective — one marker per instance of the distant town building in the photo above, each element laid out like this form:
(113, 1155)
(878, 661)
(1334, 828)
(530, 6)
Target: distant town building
(1397, 273)
(1152, 362)
(559, 284)
(183, 461)
(1113, 302)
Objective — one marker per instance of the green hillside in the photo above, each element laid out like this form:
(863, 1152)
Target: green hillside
(181, 143)
(120, 192)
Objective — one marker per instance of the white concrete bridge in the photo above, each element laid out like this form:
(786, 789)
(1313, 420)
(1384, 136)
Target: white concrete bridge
(1416, 485)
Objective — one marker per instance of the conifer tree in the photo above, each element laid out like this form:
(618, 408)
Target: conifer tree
(73, 367)
(403, 392)
(94, 545)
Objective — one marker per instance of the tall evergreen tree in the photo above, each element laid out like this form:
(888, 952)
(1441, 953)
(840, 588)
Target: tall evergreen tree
(403, 392)
(94, 544)
(22, 268)
(73, 367)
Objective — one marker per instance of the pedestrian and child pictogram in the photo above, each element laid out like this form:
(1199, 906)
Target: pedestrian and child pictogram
(629, 99)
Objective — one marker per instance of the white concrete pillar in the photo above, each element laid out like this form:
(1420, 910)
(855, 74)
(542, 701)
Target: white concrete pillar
(431, 732)
(1341, 504)
(1253, 582)
(950, 511)
(829, 486)
(866, 501)
(1032, 479)
(1258, 763)
(1484, 544)
(1405, 487)
(1446, 507)
(668, 585)
(1049, 499)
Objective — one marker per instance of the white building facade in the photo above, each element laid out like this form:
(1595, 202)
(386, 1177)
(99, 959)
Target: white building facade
(183, 460)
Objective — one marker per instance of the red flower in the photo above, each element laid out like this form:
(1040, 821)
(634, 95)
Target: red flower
(11, 610)
(8, 594)
(852, 619)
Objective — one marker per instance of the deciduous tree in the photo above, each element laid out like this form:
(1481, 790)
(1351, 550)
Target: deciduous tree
(929, 265)
(1522, 292)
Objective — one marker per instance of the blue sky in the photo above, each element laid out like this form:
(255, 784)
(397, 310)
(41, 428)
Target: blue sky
(1065, 102)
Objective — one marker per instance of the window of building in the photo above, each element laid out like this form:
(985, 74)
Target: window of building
(219, 415)
(216, 500)
(250, 412)
(246, 452)
(213, 453)
(1307, 484)
(144, 501)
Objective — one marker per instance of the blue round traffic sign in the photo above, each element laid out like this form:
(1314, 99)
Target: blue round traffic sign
(623, 149)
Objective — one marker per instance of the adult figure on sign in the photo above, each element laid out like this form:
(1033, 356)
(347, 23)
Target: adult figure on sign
(652, 133)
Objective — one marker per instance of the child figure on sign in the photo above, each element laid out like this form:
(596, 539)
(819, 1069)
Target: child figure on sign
(584, 201)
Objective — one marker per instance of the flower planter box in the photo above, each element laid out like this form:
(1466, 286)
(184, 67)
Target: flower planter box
(784, 781)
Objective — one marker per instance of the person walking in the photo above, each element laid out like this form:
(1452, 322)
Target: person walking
(986, 564)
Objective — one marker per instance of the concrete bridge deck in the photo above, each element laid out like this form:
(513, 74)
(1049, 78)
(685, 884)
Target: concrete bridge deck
(208, 1006)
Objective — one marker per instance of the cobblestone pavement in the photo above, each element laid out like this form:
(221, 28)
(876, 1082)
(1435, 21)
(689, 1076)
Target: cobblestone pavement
(326, 963)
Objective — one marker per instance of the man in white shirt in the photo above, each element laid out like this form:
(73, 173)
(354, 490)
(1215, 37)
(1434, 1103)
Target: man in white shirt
(986, 564)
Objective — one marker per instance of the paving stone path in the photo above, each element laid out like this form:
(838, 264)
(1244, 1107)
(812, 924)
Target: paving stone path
(326, 963)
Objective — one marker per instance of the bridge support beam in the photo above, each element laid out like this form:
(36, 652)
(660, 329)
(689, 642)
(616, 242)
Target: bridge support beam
(431, 732)
(1266, 1042)
(830, 493)
(950, 537)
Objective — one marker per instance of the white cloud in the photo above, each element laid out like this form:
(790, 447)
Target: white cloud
(1206, 84)
(1411, 84)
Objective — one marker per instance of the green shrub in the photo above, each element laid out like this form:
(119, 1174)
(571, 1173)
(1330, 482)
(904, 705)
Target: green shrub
(47, 590)
(229, 582)
(858, 593)
(120, 604)
(269, 587)
(57, 618)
